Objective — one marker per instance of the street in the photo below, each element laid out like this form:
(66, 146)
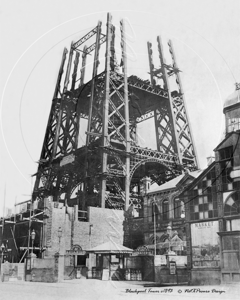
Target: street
(97, 289)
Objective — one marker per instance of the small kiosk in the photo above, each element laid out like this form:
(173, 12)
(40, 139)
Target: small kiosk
(110, 261)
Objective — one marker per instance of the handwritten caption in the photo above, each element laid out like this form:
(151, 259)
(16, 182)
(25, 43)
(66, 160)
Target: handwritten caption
(169, 291)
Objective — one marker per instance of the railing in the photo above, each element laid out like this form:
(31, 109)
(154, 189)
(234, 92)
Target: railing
(82, 215)
(149, 153)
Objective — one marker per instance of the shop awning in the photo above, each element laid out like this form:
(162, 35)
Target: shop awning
(110, 247)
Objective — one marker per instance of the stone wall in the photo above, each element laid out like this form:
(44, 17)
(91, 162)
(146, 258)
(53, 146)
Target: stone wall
(205, 277)
(107, 224)
(59, 216)
(43, 270)
(163, 276)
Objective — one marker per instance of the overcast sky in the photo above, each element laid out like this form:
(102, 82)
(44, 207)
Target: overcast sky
(205, 35)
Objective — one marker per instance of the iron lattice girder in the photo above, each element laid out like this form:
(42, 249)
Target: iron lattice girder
(50, 132)
(138, 154)
(85, 38)
(184, 134)
(183, 129)
(164, 130)
(181, 142)
(81, 95)
(68, 127)
(144, 153)
(89, 49)
(134, 81)
(113, 105)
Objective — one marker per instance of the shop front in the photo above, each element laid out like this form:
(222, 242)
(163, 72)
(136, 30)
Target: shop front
(110, 261)
(75, 265)
(140, 265)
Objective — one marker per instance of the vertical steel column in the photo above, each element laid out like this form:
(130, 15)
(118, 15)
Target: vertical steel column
(81, 82)
(151, 65)
(94, 74)
(127, 136)
(74, 74)
(156, 129)
(66, 82)
(166, 82)
(57, 88)
(105, 108)
(179, 82)
(55, 95)
(49, 125)
(84, 60)
(77, 130)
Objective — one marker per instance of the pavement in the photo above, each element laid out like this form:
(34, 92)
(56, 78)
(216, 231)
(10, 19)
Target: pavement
(86, 289)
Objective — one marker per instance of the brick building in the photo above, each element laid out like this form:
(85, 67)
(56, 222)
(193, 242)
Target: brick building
(212, 206)
(201, 208)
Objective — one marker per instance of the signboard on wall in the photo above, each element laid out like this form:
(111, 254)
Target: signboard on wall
(205, 245)
(142, 250)
(172, 267)
(105, 274)
(160, 260)
(76, 250)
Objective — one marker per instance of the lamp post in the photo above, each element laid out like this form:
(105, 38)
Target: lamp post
(90, 254)
(33, 235)
(169, 232)
(182, 215)
(59, 237)
(154, 225)
(2, 252)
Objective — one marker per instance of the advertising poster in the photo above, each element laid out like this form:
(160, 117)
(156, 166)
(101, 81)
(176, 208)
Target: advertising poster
(205, 245)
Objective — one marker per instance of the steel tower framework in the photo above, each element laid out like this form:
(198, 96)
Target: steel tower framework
(105, 170)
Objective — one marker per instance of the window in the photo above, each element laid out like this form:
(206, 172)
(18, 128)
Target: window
(177, 208)
(81, 260)
(165, 210)
(226, 165)
(233, 124)
(156, 211)
(232, 205)
(226, 153)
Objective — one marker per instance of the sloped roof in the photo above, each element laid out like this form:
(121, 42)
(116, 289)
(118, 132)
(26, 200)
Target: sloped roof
(232, 99)
(172, 183)
(223, 142)
(110, 247)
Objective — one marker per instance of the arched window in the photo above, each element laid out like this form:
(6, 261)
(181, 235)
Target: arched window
(155, 211)
(232, 205)
(165, 210)
(177, 208)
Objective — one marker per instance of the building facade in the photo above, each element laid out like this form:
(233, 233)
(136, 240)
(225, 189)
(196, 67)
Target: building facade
(212, 208)
(200, 209)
